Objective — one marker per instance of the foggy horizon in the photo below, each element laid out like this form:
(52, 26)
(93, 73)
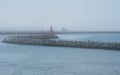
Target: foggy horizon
(73, 15)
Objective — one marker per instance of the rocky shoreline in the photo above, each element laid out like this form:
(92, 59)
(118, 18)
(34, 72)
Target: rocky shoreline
(51, 41)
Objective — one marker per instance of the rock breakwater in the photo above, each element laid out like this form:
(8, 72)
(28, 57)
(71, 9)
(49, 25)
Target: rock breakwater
(35, 40)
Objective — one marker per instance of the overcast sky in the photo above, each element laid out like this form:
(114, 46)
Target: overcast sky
(37, 15)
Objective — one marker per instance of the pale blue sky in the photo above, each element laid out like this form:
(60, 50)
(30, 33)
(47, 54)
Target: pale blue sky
(37, 15)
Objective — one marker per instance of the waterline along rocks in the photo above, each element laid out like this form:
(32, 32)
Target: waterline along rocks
(50, 40)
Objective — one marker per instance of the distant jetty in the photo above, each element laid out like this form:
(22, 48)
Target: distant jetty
(50, 40)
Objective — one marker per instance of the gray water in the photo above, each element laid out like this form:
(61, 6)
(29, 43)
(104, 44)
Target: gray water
(45, 60)
(94, 37)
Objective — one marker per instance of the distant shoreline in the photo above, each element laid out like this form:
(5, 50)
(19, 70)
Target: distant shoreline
(58, 32)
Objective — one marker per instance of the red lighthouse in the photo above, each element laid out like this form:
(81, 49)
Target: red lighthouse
(51, 30)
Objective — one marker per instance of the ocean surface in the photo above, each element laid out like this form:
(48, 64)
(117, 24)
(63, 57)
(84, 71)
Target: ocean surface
(44, 60)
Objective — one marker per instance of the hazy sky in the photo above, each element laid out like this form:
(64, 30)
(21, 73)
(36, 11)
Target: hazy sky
(90, 15)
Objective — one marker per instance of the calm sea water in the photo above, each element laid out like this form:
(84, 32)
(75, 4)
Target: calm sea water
(94, 37)
(45, 60)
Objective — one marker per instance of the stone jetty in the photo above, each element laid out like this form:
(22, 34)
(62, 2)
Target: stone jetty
(51, 41)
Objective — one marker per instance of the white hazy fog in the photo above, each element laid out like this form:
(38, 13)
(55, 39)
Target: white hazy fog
(80, 15)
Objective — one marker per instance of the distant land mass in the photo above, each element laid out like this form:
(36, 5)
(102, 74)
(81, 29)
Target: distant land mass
(56, 32)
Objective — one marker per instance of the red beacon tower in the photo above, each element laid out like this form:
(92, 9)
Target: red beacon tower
(51, 33)
(51, 30)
